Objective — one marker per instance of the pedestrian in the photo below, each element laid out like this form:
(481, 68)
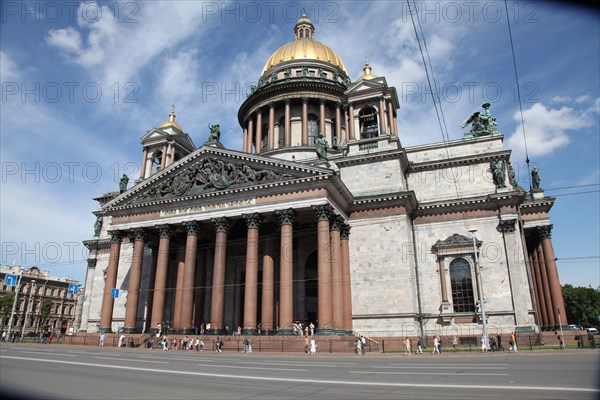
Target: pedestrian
(363, 342)
(419, 346)
(186, 341)
(493, 343)
(513, 341)
(158, 329)
(312, 329)
(197, 344)
(165, 343)
(592, 340)
(357, 346)
(407, 349)
(50, 339)
(436, 345)
(175, 344)
(3, 336)
(313, 347)
(579, 339)
(484, 345)
(122, 341)
(101, 343)
(245, 346)
(454, 343)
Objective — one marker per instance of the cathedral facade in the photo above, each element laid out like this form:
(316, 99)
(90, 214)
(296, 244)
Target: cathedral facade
(323, 217)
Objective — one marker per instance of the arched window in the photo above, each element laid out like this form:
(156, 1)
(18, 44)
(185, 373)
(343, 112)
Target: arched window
(313, 129)
(462, 286)
(369, 127)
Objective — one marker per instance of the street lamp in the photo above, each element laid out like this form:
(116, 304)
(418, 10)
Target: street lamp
(479, 286)
(27, 309)
(14, 307)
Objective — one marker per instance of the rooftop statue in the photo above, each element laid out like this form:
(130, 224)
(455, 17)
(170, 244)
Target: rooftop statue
(123, 183)
(481, 123)
(321, 145)
(535, 179)
(215, 133)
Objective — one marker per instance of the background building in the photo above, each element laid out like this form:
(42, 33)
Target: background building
(37, 286)
(323, 217)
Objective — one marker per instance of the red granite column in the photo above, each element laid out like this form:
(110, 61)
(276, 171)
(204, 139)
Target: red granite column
(442, 269)
(286, 271)
(322, 117)
(545, 286)
(338, 123)
(251, 287)
(287, 131)
(558, 303)
(218, 284)
(324, 308)
(163, 159)
(189, 277)
(382, 124)
(346, 278)
(258, 131)
(336, 274)
(150, 300)
(144, 161)
(108, 302)
(135, 277)
(351, 121)
(245, 139)
(390, 117)
(200, 291)
(267, 287)
(160, 284)
(271, 126)
(539, 294)
(179, 287)
(304, 121)
(250, 135)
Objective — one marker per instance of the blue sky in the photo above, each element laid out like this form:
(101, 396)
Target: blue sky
(82, 82)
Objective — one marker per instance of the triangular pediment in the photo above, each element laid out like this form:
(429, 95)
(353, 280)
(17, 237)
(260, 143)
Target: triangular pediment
(367, 85)
(211, 171)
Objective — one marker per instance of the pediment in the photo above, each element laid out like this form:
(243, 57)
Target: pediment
(211, 171)
(367, 85)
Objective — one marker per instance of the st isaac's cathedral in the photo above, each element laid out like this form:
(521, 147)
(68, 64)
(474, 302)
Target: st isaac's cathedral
(323, 217)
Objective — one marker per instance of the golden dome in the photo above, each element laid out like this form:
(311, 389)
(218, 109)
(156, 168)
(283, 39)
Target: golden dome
(367, 75)
(171, 121)
(304, 48)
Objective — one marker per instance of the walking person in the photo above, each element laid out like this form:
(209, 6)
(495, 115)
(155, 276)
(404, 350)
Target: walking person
(513, 339)
(102, 337)
(363, 342)
(122, 341)
(419, 346)
(484, 340)
(407, 349)
(313, 347)
(436, 345)
(454, 343)
(306, 344)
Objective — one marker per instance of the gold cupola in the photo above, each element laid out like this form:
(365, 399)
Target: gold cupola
(171, 121)
(304, 48)
(367, 75)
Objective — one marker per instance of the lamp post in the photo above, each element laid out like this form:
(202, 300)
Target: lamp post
(479, 286)
(27, 309)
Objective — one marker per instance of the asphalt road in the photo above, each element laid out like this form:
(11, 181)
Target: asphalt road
(73, 372)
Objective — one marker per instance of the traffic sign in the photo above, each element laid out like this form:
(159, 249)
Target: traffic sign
(114, 293)
(10, 280)
(73, 288)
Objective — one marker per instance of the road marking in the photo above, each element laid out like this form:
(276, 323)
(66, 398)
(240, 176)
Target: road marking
(457, 373)
(238, 367)
(435, 367)
(361, 382)
(54, 354)
(298, 364)
(457, 365)
(129, 359)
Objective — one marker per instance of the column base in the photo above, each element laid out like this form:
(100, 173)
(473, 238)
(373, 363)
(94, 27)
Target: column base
(325, 332)
(185, 331)
(130, 330)
(105, 330)
(251, 332)
(285, 332)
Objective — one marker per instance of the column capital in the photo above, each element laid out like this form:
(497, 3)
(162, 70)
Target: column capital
(440, 258)
(287, 102)
(91, 262)
(323, 212)
(271, 105)
(164, 231)
(115, 236)
(286, 217)
(305, 100)
(252, 220)
(345, 231)
(508, 226)
(139, 234)
(336, 221)
(221, 224)
(192, 227)
(544, 232)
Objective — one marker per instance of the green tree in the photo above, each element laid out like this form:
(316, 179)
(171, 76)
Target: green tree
(45, 311)
(6, 303)
(582, 305)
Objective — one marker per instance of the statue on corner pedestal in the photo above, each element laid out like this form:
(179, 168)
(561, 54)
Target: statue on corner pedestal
(535, 179)
(215, 133)
(123, 183)
(321, 145)
(481, 123)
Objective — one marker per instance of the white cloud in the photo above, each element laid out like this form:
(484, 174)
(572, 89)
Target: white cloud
(547, 129)
(9, 70)
(68, 40)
